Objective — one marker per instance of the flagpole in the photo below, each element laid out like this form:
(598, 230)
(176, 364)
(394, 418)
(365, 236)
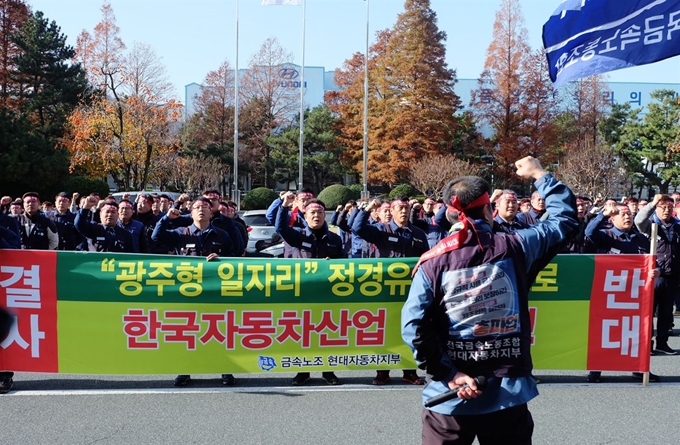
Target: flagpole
(364, 193)
(302, 95)
(235, 193)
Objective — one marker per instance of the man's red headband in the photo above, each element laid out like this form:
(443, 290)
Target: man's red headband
(482, 200)
(398, 203)
(314, 206)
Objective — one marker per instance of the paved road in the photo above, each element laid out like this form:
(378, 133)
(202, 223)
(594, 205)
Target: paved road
(64, 409)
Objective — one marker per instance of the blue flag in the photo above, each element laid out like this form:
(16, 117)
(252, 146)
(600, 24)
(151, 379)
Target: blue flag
(586, 37)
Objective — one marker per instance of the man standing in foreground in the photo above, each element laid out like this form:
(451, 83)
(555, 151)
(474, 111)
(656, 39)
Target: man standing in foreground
(457, 333)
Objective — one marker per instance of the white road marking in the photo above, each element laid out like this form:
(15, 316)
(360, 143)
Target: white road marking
(282, 389)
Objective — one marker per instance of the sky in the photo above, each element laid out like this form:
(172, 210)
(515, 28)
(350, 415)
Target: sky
(194, 37)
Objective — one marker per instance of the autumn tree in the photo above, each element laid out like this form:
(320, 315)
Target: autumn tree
(592, 169)
(418, 101)
(262, 87)
(123, 128)
(215, 107)
(512, 98)
(412, 104)
(586, 103)
(539, 107)
(192, 174)
(13, 15)
(431, 173)
(348, 104)
(145, 74)
(209, 131)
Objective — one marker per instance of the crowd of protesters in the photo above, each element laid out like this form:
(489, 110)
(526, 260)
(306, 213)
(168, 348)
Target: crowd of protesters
(206, 226)
(401, 227)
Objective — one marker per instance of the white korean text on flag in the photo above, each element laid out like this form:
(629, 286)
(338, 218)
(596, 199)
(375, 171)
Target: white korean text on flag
(586, 37)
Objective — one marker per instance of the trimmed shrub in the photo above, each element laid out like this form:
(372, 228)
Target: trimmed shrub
(259, 198)
(356, 189)
(402, 190)
(85, 185)
(335, 195)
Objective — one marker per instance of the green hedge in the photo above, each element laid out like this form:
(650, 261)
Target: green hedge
(403, 190)
(259, 198)
(85, 185)
(335, 195)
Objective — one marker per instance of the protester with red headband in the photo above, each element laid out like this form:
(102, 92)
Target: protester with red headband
(524, 205)
(220, 220)
(360, 247)
(430, 222)
(618, 237)
(297, 214)
(467, 313)
(507, 208)
(201, 238)
(395, 239)
(313, 241)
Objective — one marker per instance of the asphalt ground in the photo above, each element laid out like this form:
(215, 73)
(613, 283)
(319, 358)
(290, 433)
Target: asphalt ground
(265, 409)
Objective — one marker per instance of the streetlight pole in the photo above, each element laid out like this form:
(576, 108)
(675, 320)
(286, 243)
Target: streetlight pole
(236, 194)
(364, 192)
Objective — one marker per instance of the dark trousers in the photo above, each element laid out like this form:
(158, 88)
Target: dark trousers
(508, 426)
(676, 297)
(664, 294)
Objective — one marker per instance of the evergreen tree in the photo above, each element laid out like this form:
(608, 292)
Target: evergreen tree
(649, 146)
(321, 151)
(28, 161)
(13, 15)
(48, 85)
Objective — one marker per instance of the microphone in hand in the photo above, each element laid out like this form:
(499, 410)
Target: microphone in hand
(452, 394)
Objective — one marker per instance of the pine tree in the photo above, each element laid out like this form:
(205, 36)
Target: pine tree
(48, 85)
(13, 15)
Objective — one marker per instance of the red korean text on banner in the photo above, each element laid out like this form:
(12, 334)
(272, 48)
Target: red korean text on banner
(28, 290)
(619, 331)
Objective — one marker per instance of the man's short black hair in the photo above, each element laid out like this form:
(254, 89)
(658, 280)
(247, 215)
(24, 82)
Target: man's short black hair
(168, 197)
(211, 192)
(110, 202)
(467, 189)
(307, 190)
(63, 195)
(402, 198)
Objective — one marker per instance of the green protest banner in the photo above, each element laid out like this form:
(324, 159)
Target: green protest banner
(96, 313)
